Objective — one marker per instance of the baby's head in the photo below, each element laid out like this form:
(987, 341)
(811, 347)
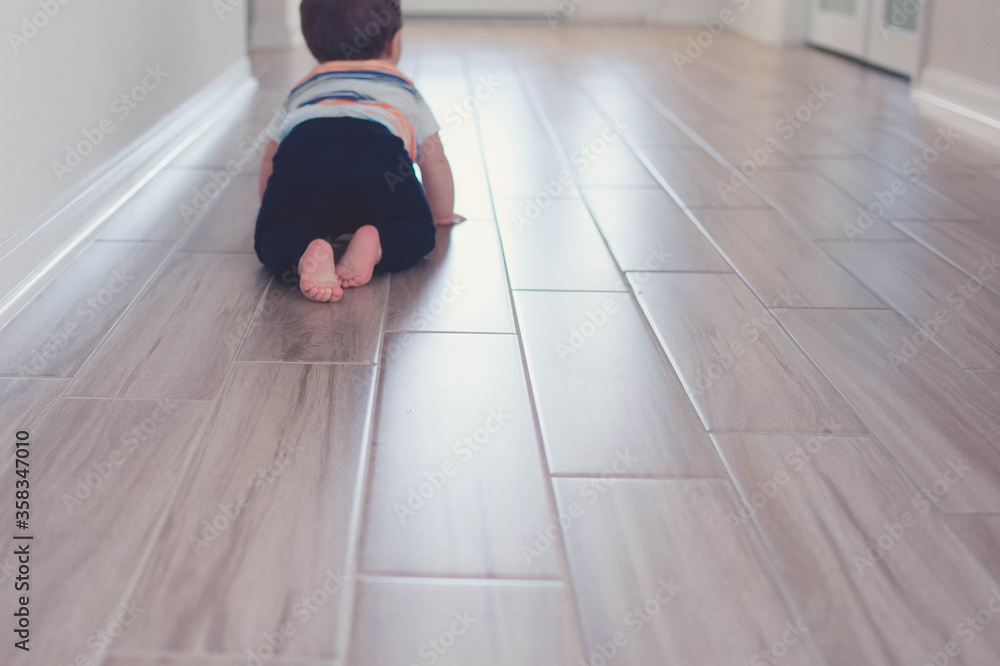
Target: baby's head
(352, 29)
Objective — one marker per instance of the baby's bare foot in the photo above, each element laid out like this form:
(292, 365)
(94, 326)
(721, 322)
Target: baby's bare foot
(318, 275)
(363, 253)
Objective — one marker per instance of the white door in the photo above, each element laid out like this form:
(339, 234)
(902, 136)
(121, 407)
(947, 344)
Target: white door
(841, 25)
(886, 33)
(895, 42)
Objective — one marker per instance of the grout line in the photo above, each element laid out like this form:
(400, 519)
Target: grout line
(438, 579)
(359, 505)
(791, 599)
(451, 332)
(182, 477)
(563, 551)
(185, 658)
(154, 275)
(584, 476)
(269, 362)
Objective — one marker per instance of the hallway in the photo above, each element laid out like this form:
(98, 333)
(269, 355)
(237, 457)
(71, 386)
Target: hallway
(710, 376)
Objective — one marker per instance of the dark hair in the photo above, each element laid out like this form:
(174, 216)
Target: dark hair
(349, 29)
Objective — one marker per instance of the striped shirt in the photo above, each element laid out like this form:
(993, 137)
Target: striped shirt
(366, 89)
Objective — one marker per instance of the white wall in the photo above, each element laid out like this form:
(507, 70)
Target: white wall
(65, 70)
(962, 69)
(964, 39)
(775, 21)
(275, 24)
(672, 11)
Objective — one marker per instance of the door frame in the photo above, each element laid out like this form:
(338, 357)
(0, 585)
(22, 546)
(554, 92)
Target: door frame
(895, 49)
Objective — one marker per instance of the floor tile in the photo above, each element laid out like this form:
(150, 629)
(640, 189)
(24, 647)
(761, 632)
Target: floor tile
(591, 354)
(660, 576)
(928, 412)
(228, 226)
(878, 575)
(780, 264)
(700, 181)
(981, 534)
(822, 210)
(556, 246)
(178, 339)
(974, 246)
(950, 307)
(60, 328)
(263, 520)
(457, 485)
(460, 287)
(289, 328)
(457, 623)
(742, 371)
(888, 194)
(648, 231)
(122, 469)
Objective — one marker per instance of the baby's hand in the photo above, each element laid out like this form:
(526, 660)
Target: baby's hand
(449, 221)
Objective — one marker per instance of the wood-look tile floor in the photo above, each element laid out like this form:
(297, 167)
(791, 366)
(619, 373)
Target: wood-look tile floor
(710, 376)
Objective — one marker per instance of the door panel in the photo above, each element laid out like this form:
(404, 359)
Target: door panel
(886, 33)
(841, 25)
(895, 42)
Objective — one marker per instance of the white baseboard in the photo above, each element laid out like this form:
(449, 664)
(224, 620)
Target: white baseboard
(37, 251)
(959, 94)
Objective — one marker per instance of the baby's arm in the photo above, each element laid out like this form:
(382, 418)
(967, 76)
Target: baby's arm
(267, 165)
(439, 185)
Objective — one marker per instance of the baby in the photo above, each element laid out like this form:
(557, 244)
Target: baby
(352, 131)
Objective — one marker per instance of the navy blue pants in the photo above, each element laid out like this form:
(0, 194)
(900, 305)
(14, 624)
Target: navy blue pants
(333, 176)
